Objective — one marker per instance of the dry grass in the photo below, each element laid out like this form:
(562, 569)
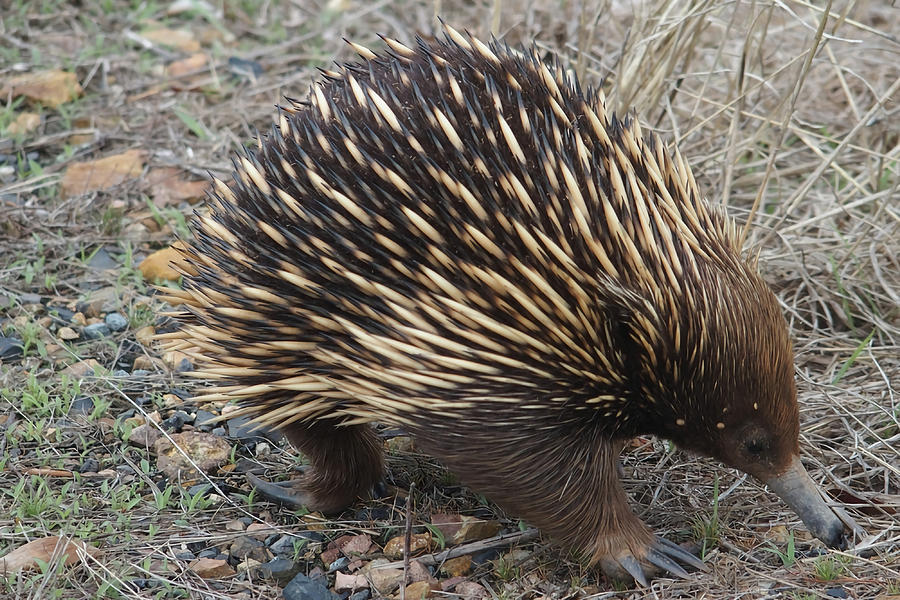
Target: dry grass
(789, 112)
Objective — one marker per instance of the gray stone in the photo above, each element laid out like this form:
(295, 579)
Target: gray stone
(302, 587)
(96, 331)
(116, 322)
(279, 570)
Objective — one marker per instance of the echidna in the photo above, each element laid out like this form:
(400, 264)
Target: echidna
(460, 240)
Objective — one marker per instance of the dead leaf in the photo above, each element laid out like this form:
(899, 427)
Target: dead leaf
(161, 265)
(192, 64)
(148, 363)
(26, 122)
(173, 38)
(83, 368)
(58, 43)
(144, 335)
(83, 177)
(46, 550)
(167, 186)
(174, 358)
(50, 88)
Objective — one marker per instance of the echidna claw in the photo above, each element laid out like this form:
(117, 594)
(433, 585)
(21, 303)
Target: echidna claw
(677, 552)
(283, 492)
(660, 556)
(658, 559)
(634, 568)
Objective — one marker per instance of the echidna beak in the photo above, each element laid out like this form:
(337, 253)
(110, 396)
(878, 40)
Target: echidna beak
(798, 490)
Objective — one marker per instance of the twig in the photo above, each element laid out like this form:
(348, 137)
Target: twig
(497, 541)
(407, 540)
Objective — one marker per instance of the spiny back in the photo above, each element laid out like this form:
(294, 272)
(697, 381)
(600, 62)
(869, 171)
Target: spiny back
(442, 231)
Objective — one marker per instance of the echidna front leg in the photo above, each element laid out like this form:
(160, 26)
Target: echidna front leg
(570, 489)
(345, 463)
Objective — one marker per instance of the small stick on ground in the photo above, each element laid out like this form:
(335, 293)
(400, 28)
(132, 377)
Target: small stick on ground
(407, 540)
(507, 539)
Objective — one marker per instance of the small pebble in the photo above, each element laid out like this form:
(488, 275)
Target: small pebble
(284, 545)
(11, 347)
(313, 536)
(90, 465)
(246, 546)
(484, 556)
(376, 513)
(81, 406)
(116, 322)
(262, 449)
(176, 421)
(202, 420)
(245, 69)
(200, 488)
(102, 260)
(302, 587)
(30, 298)
(96, 331)
(240, 428)
(143, 584)
(60, 314)
(280, 570)
(338, 564)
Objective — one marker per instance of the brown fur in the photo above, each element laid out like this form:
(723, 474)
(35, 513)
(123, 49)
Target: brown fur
(346, 462)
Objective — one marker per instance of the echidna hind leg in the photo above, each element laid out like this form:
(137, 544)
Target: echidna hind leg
(569, 489)
(345, 463)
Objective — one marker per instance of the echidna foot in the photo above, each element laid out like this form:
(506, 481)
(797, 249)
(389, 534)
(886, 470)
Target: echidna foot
(659, 557)
(290, 493)
(302, 492)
